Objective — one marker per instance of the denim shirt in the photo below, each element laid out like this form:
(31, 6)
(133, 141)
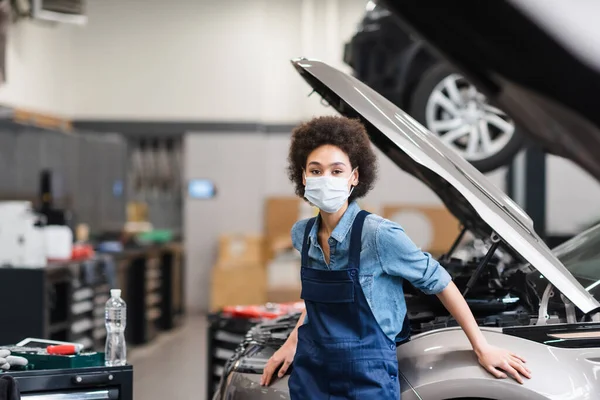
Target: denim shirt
(387, 257)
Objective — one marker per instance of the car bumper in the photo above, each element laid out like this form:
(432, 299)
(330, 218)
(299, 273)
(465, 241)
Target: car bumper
(246, 386)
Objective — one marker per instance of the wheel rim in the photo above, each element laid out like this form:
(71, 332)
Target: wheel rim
(465, 121)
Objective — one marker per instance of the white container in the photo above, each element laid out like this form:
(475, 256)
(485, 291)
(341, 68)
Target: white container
(35, 248)
(21, 243)
(59, 242)
(12, 210)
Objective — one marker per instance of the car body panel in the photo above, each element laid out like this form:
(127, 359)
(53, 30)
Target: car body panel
(386, 57)
(466, 192)
(390, 67)
(538, 76)
(247, 386)
(400, 66)
(441, 364)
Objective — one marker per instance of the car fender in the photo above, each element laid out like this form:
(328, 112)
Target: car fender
(441, 365)
(246, 386)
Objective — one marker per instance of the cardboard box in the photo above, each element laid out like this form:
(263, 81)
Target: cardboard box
(284, 270)
(432, 228)
(284, 294)
(281, 213)
(137, 211)
(283, 278)
(238, 248)
(238, 284)
(278, 244)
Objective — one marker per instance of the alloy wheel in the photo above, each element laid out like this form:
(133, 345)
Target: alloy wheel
(465, 121)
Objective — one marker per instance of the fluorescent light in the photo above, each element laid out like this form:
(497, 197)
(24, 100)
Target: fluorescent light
(370, 6)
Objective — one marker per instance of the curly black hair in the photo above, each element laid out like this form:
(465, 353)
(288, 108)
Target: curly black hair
(347, 134)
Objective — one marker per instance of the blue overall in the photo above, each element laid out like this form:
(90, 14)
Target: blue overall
(342, 351)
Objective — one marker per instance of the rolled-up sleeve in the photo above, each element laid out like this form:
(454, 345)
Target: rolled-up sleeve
(399, 256)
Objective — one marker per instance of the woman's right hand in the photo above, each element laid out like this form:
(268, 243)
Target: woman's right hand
(285, 356)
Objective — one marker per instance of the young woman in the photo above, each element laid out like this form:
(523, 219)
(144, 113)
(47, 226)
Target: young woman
(353, 266)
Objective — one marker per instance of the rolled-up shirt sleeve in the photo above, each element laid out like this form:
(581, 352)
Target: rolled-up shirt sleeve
(399, 256)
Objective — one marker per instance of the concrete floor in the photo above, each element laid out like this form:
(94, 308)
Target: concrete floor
(174, 365)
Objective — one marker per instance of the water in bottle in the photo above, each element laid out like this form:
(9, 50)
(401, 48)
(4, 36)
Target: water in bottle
(115, 316)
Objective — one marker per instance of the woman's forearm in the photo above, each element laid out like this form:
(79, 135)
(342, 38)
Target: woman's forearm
(294, 335)
(454, 302)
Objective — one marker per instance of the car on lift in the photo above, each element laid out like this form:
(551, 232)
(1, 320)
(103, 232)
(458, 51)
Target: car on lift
(402, 68)
(538, 303)
(538, 63)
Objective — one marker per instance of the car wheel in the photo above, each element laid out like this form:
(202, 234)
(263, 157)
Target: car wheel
(452, 108)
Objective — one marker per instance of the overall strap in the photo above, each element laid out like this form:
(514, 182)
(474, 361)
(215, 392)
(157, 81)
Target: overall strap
(305, 245)
(355, 239)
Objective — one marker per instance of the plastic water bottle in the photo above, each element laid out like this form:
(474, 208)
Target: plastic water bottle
(115, 317)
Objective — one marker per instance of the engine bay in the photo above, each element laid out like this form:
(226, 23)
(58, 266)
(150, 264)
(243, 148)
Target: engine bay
(499, 297)
(503, 295)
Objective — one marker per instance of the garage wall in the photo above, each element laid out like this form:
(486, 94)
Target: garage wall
(39, 62)
(204, 60)
(234, 162)
(572, 197)
(184, 60)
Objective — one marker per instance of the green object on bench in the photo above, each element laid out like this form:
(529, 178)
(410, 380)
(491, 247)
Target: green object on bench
(43, 360)
(156, 236)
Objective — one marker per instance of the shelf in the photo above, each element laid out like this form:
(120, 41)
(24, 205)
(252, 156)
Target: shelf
(81, 326)
(99, 334)
(82, 307)
(153, 314)
(82, 294)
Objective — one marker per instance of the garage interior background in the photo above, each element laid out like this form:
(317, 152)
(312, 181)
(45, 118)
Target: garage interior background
(212, 82)
(202, 69)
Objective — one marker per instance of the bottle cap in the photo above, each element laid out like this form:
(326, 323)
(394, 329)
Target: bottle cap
(116, 293)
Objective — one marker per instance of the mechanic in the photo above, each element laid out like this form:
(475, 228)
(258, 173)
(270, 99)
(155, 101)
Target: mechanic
(353, 266)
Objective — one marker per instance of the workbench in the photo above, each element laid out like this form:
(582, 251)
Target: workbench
(65, 300)
(96, 383)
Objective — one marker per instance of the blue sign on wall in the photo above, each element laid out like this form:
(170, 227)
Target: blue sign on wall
(118, 188)
(201, 189)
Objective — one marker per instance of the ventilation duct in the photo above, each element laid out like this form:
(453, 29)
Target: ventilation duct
(65, 11)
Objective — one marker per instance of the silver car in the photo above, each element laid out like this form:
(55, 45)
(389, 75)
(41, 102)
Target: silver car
(527, 298)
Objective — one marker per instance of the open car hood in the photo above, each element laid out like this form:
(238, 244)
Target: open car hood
(469, 195)
(538, 62)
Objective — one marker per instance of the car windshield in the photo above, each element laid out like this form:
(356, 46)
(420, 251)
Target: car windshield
(581, 256)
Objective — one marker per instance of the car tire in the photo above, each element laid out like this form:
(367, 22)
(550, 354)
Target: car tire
(422, 107)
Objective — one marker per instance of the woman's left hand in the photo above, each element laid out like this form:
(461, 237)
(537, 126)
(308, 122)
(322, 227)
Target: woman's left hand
(496, 360)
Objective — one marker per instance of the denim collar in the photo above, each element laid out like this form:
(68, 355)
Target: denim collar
(343, 227)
